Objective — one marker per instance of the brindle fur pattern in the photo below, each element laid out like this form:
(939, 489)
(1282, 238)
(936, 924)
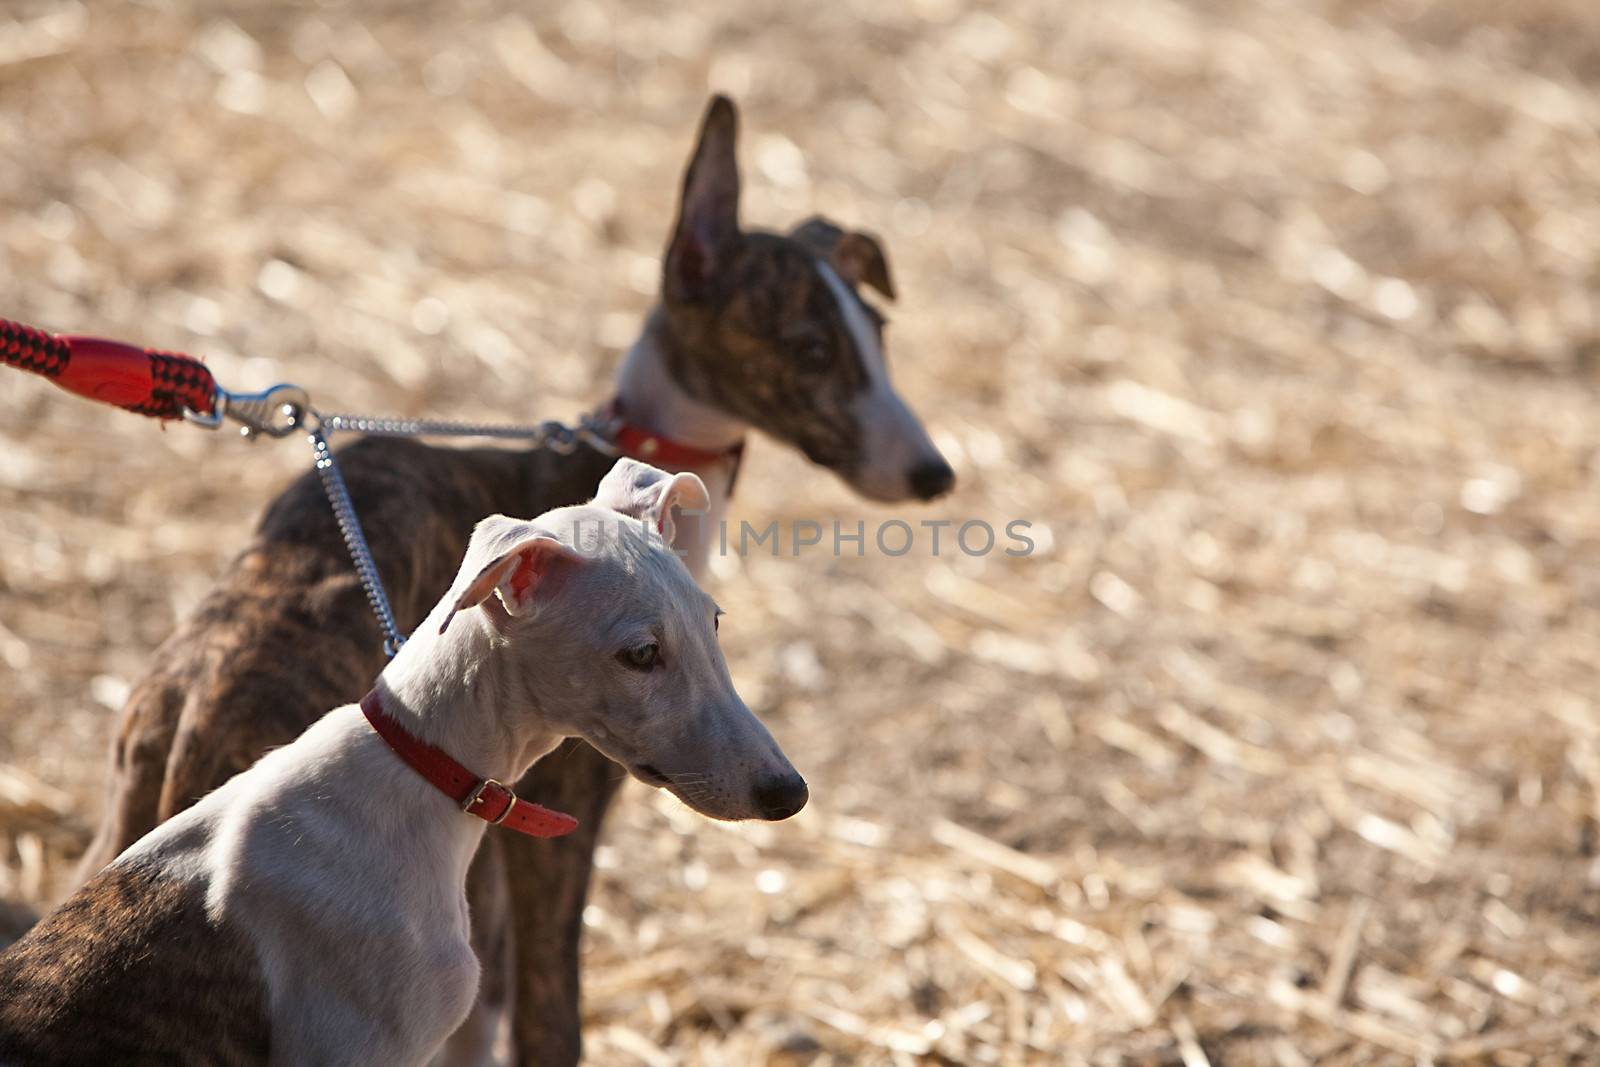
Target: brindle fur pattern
(773, 349)
(131, 971)
(287, 633)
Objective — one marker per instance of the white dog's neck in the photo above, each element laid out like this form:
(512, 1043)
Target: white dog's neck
(456, 692)
(656, 403)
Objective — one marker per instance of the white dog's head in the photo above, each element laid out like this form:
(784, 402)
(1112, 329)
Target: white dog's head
(603, 633)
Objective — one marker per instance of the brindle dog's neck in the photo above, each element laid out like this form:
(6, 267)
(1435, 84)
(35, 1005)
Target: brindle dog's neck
(655, 401)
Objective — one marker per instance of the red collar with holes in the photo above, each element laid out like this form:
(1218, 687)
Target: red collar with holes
(486, 798)
(637, 443)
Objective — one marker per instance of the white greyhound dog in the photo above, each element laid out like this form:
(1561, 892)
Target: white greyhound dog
(312, 910)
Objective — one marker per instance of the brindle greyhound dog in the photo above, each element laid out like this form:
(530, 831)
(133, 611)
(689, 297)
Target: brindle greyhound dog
(754, 329)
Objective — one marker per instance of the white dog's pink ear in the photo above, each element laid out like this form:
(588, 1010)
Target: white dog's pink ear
(516, 576)
(649, 494)
(685, 491)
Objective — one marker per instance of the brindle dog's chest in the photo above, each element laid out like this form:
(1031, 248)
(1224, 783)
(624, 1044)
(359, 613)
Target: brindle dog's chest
(130, 971)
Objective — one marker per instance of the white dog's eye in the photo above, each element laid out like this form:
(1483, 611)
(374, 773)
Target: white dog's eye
(641, 657)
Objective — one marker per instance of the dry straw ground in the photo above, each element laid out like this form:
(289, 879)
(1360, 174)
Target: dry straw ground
(1278, 319)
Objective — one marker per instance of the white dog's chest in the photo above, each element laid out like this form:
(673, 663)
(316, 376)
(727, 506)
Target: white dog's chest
(426, 997)
(357, 913)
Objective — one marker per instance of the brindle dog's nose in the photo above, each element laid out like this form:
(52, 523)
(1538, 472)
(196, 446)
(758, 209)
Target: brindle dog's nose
(931, 479)
(781, 796)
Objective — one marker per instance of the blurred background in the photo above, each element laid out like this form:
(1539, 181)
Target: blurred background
(1278, 319)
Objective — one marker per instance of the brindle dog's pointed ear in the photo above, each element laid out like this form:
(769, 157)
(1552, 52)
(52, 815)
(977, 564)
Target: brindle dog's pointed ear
(708, 214)
(859, 258)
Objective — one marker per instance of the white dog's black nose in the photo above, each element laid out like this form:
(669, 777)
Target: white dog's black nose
(781, 796)
(932, 478)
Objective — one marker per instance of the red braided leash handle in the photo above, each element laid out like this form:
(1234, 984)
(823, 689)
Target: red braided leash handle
(145, 381)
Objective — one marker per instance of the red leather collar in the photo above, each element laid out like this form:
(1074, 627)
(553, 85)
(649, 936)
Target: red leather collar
(486, 798)
(637, 443)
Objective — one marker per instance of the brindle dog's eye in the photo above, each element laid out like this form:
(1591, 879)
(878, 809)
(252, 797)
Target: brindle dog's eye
(641, 657)
(813, 355)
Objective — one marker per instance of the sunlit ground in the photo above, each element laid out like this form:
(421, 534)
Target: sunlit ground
(1278, 320)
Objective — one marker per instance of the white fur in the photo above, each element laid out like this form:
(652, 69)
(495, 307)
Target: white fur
(347, 871)
(896, 442)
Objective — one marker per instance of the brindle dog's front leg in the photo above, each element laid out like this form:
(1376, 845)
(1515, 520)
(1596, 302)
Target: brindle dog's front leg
(549, 881)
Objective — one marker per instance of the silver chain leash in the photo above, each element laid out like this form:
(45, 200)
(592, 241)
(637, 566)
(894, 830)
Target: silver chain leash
(556, 436)
(344, 513)
(285, 409)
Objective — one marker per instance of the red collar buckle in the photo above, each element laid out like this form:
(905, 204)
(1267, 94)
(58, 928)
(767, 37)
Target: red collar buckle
(485, 798)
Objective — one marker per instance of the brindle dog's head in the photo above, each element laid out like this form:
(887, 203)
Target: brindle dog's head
(771, 328)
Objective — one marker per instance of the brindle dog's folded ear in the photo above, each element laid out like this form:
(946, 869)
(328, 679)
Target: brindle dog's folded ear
(708, 214)
(856, 256)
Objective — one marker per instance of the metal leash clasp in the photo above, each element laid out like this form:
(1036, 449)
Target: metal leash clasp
(598, 433)
(276, 412)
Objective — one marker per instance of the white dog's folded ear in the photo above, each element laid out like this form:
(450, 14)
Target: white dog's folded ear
(519, 562)
(649, 494)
